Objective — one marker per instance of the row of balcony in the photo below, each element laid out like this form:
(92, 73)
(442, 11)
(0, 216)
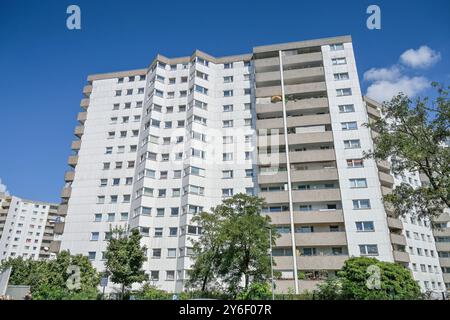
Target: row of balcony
(307, 120)
(296, 76)
(299, 176)
(312, 104)
(289, 61)
(296, 138)
(331, 262)
(301, 90)
(312, 239)
(307, 217)
(302, 196)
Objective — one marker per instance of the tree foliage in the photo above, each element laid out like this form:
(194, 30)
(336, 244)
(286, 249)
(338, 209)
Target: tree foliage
(125, 257)
(48, 278)
(411, 134)
(352, 282)
(232, 252)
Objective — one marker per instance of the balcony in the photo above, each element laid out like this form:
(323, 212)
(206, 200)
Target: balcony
(385, 190)
(84, 103)
(82, 116)
(313, 239)
(76, 145)
(299, 176)
(444, 217)
(275, 197)
(304, 89)
(286, 286)
(384, 165)
(331, 262)
(72, 161)
(400, 256)
(69, 175)
(290, 76)
(66, 192)
(317, 195)
(307, 217)
(443, 246)
(297, 157)
(394, 223)
(79, 130)
(262, 65)
(59, 228)
(299, 121)
(442, 233)
(373, 111)
(296, 138)
(386, 179)
(311, 104)
(62, 210)
(55, 246)
(398, 239)
(87, 90)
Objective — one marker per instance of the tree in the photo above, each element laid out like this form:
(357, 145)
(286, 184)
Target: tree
(233, 247)
(52, 279)
(412, 134)
(124, 258)
(364, 278)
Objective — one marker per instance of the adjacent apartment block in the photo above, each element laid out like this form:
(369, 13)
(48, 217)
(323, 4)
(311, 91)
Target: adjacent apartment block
(157, 145)
(27, 228)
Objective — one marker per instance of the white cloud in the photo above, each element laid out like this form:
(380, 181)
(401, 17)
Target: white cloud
(423, 57)
(384, 89)
(3, 187)
(381, 74)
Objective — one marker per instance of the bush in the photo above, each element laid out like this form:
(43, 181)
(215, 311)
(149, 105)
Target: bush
(256, 291)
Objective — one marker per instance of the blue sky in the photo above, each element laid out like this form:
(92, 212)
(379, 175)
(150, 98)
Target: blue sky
(44, 65)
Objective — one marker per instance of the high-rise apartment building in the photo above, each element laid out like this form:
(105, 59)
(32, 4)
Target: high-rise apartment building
(285, 122)
(27, 228)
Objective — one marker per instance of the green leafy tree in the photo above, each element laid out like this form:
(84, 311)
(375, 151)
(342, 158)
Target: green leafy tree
(233, 247)
(411, 134)
(49, 279)
(256, 291)
(357, 281)
(149, 292)
(125, 257)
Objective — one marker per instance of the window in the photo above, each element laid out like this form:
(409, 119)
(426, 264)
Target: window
(228, 65)
(98, 217)
(227, 174)
(91, 255)
(368, 249)
(341, 76)
(157, 253)
(171, 253)
(161, 193)
(249, 173)
(227, 123)
(111, 217)
(118, 93)
(352, 144)
(174, 211)
(101, 199)
(154, 275)
(358, 183)
(113, 199)
(173, 232)
(227, 108)
(108, 150)
(158, 233)
(146, 211)
(228, 79)
(123, 216)
(336, 47)
(346, 108)
(364, 226)
(201, 89)
(103, 182)
(227, 139)
(247, 91)
(349, 125)
(227, 156)
(355, 163)
(118, 165)
(227, 192)
(129, 92)
(228, 93)
(343, 92)
(361, 204)
(338, 61)
(116, 106)
(94, 236)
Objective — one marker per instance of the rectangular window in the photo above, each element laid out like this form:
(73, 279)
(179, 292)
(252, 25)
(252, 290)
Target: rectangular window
(228, 79)
(227, 108)
(365, 226)
(349, 125)
(361, 204)
(227, 123)
(346, 108)
(352, 144)
(228, 93)
(343, 92)
(336, 47)
(94, 236)
(368, 249)
(355, 163)
(227, 174)
(338, 61)
(358, 183)
(341, 76)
